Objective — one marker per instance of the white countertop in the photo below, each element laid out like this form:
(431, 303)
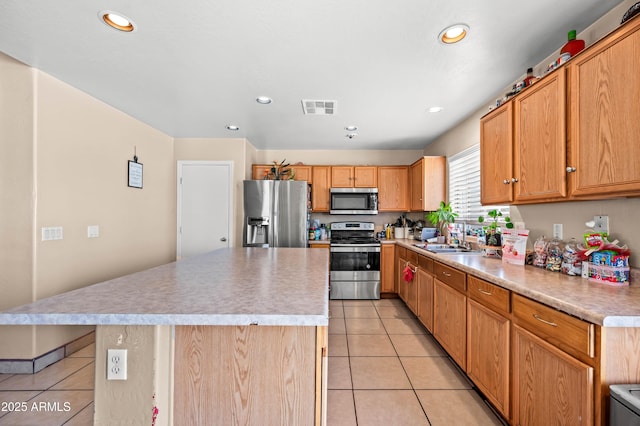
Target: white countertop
(236, 286)
(606, 305)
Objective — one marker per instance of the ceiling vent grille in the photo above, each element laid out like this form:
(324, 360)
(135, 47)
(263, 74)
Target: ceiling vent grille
(315, 107)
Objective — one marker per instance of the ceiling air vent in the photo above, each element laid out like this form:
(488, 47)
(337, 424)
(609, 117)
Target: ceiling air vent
(312, 107)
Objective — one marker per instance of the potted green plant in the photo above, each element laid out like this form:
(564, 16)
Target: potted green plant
(442, 217)
(491, 231)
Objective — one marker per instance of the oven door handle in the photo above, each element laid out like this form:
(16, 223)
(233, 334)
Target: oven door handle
(354, 249)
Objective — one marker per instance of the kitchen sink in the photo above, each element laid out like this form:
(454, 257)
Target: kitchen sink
(444, 248)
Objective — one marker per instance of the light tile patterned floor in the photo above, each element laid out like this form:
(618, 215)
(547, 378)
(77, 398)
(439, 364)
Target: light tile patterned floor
(61, 394)
(386, 369)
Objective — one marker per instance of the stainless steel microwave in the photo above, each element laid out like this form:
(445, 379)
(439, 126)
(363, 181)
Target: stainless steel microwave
(354, 201)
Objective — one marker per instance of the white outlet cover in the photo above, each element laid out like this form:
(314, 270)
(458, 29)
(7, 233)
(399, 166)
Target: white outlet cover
(116, 364)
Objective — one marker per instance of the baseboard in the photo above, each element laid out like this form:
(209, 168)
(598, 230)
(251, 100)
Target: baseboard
(31, 366)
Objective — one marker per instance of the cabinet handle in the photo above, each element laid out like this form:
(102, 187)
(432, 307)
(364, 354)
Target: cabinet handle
(553, 324)
(570, 169)
(514, 180)
(506, 181)
(446, 274)
(488, 293)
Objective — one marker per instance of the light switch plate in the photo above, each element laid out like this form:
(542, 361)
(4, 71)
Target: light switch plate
(93, 231)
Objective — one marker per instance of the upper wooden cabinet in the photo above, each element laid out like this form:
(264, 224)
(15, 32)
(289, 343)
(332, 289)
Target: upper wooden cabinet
(604, 111)
(523, 146)
(393, 188)
(496, 156)
(539, 137)
(354, 176)
(427, 183)
(258, 172)
(321, 176)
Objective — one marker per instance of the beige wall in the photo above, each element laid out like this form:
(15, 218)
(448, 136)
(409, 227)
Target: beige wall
(539, 219)
(66, 165)
(16, 190)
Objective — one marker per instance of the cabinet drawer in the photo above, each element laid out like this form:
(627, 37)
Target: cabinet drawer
(453, 277)
(490, 295)
(402, 252)
(425, 264)
(558, 328)
(412, 257)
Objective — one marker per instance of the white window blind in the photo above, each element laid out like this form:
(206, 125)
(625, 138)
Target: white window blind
(464, 186)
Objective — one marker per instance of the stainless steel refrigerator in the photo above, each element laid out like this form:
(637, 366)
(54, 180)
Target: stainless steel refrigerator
(275, 213)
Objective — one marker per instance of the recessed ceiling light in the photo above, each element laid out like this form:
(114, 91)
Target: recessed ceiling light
(117, 21)
(351, 128)
(265, 100)
(232, 127)
(453, 33)
(435, 109)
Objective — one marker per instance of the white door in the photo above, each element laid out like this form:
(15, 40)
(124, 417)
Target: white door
(205, 197)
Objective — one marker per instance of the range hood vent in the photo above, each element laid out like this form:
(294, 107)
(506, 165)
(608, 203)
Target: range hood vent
(319, 107)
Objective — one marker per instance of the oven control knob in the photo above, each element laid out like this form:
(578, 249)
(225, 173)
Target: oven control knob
(368, 266)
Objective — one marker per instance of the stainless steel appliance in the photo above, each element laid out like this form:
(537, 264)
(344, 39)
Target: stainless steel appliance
(275, 213)
(354, 200)
(354, 267)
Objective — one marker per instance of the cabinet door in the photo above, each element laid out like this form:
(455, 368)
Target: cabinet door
(540, 140)
(604, 125)
(320, 188)
(427, 178)
(496, 147)
(365, 176)
(302, 173)
(258, 171)
(393, 188)
(416, 180)
(387, 268)
(450, 321)
(488, 339)
(400, 283)
(411, 292)
(425, 299)
(342, 176)
(550, 387)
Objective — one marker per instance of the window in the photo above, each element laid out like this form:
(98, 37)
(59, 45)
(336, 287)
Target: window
(464, 186)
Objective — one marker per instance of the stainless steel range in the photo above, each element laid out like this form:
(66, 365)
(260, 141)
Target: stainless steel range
(355, 261)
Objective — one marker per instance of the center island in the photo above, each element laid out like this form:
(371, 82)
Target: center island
(234, 336)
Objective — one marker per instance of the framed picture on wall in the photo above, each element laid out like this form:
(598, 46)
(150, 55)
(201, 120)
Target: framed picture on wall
(135, 174)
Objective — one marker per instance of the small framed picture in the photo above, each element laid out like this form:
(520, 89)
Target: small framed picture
(135, 174)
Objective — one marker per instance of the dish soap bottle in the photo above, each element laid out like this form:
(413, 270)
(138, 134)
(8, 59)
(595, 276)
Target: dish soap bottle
(573, 46)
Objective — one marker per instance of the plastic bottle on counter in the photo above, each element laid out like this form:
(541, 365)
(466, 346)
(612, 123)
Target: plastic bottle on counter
(323, 231)
(573, 46)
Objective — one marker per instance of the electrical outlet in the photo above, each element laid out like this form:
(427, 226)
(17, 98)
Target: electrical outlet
(601, 224)
(557, 231)
(93, 231)
(116, 364)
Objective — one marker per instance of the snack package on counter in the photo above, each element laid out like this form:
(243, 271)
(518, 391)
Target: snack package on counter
(554, 255)
(514, 245)
(540, 252)
(571, 262)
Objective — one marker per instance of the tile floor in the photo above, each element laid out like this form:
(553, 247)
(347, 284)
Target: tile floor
(386, 369)
(61, 394)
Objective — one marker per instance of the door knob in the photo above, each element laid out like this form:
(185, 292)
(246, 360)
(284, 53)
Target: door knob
(571, 169)
(506, 181)
(514, 180)
(223, 239)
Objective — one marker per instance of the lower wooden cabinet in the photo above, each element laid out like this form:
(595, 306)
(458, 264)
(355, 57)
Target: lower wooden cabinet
(425, 298)
(550, 386)
(450, 321)
(488, 343)
(387, 268)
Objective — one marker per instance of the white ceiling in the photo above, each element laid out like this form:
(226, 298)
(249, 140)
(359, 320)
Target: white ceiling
(193, 67)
